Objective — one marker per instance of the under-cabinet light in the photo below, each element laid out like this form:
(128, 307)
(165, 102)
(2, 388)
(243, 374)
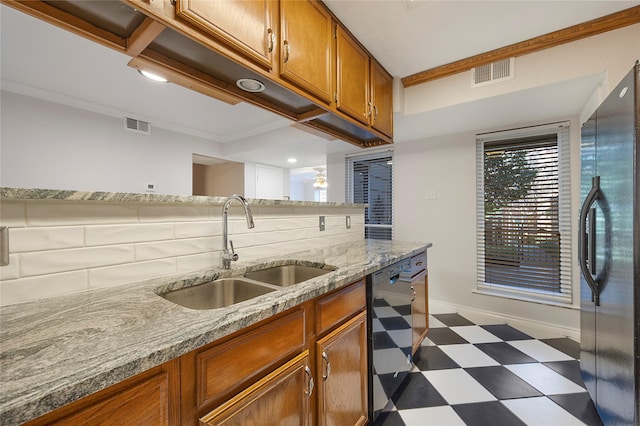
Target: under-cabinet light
(152, 76)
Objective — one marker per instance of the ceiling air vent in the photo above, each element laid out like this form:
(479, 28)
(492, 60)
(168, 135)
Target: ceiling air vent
(137, 125)
(493, 72)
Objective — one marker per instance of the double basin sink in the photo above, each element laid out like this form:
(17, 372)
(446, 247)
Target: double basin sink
(225, 292)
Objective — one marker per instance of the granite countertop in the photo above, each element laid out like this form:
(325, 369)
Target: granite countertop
(34, 194)
(57, 350)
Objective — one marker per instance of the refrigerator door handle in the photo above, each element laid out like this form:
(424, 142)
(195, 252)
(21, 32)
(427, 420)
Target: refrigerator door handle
(586, 243)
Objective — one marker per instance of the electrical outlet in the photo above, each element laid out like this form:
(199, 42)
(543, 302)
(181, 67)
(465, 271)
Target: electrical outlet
(151, 188)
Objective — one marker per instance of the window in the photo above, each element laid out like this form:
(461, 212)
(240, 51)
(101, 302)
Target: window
(370, 181)
(524, 223)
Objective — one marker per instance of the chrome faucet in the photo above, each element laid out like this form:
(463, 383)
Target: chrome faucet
(226, 255)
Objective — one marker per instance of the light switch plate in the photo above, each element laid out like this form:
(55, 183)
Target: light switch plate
(430, 194)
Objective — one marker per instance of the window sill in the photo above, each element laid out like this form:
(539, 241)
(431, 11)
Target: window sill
(544, 298)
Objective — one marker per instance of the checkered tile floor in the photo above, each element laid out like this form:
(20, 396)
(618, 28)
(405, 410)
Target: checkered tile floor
(469, 374)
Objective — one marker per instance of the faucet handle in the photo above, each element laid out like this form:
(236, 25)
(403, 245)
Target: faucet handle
(234, 255)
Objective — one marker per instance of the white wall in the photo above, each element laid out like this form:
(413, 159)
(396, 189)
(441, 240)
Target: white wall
(48, 145)
(52, 146)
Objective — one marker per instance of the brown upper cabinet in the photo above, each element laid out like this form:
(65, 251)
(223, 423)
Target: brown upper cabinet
(306, 49)
(363, 88)
(381, 99)
(247, 26)
(352, 91)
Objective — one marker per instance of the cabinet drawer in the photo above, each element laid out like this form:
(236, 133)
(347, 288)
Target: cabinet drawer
(338, 306)
(238, 361)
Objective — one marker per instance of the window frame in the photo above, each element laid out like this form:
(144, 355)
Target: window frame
(349, 181)
(565, 296)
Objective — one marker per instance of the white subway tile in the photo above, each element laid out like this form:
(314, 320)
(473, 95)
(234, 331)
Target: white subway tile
(264, 212)
(122, 274)
(48, 238)
(69, 213)
(24, 289)
(12, 270)
(198, 229)
(240, 240)
(198, 261)
(49, 262)
(172, 248)
(96, 235)
(13, 214)
(173, 213)
(275, 224)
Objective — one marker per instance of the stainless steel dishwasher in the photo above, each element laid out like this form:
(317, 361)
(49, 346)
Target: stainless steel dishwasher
(389, 333)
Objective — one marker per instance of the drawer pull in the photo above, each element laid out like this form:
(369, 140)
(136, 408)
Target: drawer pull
(327, 369)
(272, 40)
(310, 388)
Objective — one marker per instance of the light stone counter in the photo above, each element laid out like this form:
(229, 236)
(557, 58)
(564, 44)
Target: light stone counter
(32, 194)
(54, 351)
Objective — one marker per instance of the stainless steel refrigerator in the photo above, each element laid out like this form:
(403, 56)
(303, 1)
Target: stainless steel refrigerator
(609, 254)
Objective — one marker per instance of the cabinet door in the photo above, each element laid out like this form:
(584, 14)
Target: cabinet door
(352, 91)
(420, 310)
(243, 25)
(150, 398)
(341, 359)
(279, 399)
(382, 98)
(306, 56)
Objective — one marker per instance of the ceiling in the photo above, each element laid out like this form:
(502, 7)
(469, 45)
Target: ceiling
(406, 36)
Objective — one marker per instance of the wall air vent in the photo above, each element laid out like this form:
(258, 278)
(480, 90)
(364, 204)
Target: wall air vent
(137, 125)
(493, 72)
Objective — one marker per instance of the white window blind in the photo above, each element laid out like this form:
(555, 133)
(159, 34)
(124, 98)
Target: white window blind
(370, 181)
(524, 213)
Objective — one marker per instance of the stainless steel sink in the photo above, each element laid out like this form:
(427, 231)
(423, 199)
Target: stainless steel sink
(217, 294)
(286, 275)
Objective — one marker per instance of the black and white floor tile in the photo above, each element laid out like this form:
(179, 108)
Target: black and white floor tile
(479, 374)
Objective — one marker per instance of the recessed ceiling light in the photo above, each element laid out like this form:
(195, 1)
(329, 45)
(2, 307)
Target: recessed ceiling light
(292, 160)
(250, 85)
(152, 76)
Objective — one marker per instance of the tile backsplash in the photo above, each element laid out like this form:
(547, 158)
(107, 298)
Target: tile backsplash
(58, 246)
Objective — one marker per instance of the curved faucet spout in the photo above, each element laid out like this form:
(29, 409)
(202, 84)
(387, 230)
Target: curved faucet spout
(226, 255)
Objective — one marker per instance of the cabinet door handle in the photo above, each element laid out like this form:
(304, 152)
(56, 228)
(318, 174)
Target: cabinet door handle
(309, 390)
(271, 40)
(413, 290)
(327, 369)
(370, 110)
(375, 114)
(287, 51)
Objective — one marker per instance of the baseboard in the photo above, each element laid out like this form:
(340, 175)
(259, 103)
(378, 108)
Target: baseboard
(538, 328)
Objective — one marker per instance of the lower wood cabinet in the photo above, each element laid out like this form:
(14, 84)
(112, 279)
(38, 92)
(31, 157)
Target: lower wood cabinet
(341, 372)
(279, 399)
(149, 398)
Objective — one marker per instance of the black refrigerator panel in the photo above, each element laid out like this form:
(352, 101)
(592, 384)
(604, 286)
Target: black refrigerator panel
(609, 319)
(587, 304)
